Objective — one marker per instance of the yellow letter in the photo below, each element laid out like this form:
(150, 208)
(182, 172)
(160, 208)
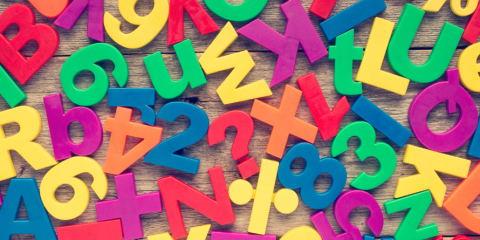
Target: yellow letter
(196, 233)
(30, 124)
(149, 26)
(427, 162)
(370, 69)
(468, 67)
(64, 173)
(241, 62)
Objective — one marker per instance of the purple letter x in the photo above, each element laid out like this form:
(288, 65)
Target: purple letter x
(299, 30)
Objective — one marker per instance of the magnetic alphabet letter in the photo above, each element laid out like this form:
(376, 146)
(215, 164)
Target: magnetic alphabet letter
(299, 30)
(327, 121)
(10, 56)
(174, 191)
(241, 62)
(283, 121)
(58, 122)
(30, 124)
(428, 98)
(200, 18)
(72, 13)
(442, 53)
(38, 222)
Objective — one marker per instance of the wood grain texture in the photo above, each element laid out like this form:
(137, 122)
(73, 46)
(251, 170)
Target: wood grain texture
(47, 82)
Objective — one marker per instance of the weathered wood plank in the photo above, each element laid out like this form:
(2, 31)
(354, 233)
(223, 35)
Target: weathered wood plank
(71, 41)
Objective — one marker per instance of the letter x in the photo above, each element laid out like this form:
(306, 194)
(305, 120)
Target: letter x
(283, 121)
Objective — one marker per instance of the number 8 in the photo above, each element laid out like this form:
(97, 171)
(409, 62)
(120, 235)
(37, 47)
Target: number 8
(305, 179)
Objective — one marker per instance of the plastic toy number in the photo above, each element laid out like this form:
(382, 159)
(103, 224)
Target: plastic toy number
(383, 152)
(148, 26)
(164, 153)
(64, 173)
(85, 60)
(305, 179)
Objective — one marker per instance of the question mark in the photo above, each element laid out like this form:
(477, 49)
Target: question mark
(244, 125)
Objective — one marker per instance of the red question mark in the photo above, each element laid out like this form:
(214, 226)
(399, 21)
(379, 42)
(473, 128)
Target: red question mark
(244, 125)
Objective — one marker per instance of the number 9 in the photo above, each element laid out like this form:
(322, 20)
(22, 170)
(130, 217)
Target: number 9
(64, 173)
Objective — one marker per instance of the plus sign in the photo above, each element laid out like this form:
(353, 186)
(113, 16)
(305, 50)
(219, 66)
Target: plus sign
(283, 121)
(128, 206)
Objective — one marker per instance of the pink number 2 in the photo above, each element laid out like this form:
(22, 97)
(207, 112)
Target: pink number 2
(346, 203)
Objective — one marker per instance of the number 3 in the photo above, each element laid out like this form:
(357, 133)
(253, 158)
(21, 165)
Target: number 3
(383, 152)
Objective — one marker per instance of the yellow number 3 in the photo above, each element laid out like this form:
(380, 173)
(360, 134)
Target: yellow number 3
(148, 26)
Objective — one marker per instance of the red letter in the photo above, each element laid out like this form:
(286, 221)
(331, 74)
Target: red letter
(10, 57)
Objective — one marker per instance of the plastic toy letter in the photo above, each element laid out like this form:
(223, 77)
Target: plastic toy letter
(64, 173)
(381, 121)
(383, 152)
(283, 121)
(299, 30)
(199, 16)
(462, 197)
(217, 235)
(455, 95)
(10, 57)
(174, 191)
(49, 8)
(72, 13)
(427, 162)
(345, 204)
(30, 124)
(148, 26)
(195, 233)
(472, 28)
(344, 53)
(192, 72)
(455, 5)
(370, 69)
(38, 222)
(242, 12)
(306, 178)
(121, 127)
(140, 98)
(10, 91)
(241, 62)
(128, 206)
(418, 204)
(467, 67)
(402, 38)
(302, 232)
(58, 122)
(351, 17)
(285, 200)
(107, 230)
(84, 60)
(327, 121)
(322, 8)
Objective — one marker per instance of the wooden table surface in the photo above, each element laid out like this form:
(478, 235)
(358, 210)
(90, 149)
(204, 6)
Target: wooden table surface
(46, 82)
